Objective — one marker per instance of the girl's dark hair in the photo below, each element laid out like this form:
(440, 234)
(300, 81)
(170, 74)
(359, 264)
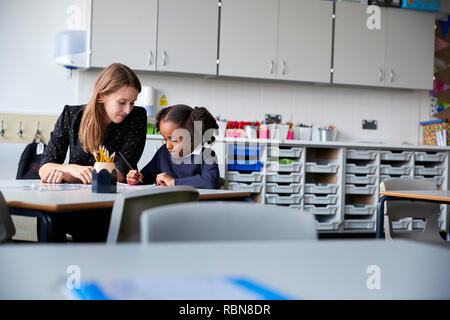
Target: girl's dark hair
(185, 117)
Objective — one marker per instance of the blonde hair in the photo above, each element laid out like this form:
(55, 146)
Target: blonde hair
(93, 127)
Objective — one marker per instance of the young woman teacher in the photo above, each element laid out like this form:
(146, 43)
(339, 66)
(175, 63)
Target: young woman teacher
(109, 119)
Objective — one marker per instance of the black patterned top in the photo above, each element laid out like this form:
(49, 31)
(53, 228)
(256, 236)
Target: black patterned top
(128, 137)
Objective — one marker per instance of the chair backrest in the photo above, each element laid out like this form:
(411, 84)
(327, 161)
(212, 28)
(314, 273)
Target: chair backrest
(395, 210)
(124, 225)
(225, 221)
(7, 229)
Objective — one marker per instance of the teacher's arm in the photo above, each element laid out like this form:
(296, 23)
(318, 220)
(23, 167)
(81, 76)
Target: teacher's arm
(52, 169)
(133, 143)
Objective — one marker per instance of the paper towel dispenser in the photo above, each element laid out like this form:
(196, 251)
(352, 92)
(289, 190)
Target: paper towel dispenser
(71, 49)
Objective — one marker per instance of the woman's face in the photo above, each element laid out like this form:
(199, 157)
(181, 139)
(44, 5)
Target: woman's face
(119, 103)
(173, 136)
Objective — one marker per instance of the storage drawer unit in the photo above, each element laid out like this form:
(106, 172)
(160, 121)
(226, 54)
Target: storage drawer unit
(328, 210)
(313, 199)
(434, 171)
(321, 188)
(293, 152)
(254, 187)
(284, 178)
(244, 177)
(437, 179)
(430, 157)
(396, 156)
(272, 198)
(385, 177)
(354, 179)
(359, 224)
(353, 189)
(358, 154)
(360, 209)
(366, 169)
(245, 150)
(321, 168)
(388, 169)
(278, 188)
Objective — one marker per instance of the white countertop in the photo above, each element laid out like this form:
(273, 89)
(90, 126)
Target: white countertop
(309, 143)
(298, 269)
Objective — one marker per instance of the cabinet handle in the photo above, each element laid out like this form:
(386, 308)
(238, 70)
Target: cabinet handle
(381, 76)
(164, 58)
(283, 69)
(150, 57)
(271, 67)
(392, 76)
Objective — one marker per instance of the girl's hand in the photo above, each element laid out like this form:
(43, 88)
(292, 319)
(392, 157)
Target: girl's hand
(163, 179)
(134, 177)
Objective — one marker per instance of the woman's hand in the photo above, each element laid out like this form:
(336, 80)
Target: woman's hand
(134, 177)
(56, 176)
(163, 179)
(82, 173)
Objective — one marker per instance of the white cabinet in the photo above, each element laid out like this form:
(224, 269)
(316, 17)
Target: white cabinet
(399, 55)
(358, 51)
(410, 49)
(187, 36)
(305, 40)
(248, 37)
(125, 32)
(276, 39)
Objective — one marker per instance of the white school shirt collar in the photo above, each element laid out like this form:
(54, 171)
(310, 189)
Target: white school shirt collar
(197, 151)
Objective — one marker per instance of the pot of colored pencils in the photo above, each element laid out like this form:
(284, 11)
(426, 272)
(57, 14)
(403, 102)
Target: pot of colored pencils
(104, 175)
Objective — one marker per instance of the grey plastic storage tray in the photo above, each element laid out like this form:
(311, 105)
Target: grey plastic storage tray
(277, 188)
(273, 198)
(359, 154)
(402, 224)
(277, 167)
(418, 224)
(367, 169)
(367, 179)
(284, 178)
(293, 152)
(254, 187)
(328, 210)
(313, 199)
(367, 189)
(396, 156)
(384, 177)
(388, 169)
(320, 188)
(327, 226)
(244, 177)
(360, 209)
(437, 179)
(431, 157)
(321, 168)
(355, 224)
(421, 170)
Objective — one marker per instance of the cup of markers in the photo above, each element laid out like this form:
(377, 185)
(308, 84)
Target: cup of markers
(104, 175)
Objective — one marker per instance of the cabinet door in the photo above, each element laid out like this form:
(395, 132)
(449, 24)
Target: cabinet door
(125, 32)
(358, 51)
(410, 49)
(304, 40)
(248, 31)
(187, 36)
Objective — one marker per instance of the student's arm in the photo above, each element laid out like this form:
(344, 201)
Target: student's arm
(134, 143)
(52, 168)
(207, 179)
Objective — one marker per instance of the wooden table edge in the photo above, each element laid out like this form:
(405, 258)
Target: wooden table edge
(60, 207)
(414, 196)
(237, 194)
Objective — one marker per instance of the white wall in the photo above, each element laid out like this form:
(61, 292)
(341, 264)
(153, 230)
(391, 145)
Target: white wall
(398, 112)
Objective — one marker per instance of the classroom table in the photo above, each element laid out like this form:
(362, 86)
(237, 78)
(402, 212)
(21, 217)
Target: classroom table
(33, 198)
(327, 269)
(433, 196)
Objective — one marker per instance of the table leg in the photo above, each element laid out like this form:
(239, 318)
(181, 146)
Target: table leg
(380, 218)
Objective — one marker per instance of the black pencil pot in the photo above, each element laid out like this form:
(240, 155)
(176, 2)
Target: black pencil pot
(104, 177)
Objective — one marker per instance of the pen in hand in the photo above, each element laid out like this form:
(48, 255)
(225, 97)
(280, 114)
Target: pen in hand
(135, 174)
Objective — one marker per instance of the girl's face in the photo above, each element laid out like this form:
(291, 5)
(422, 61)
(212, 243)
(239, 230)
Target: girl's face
(119, 103)
(173, 137)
